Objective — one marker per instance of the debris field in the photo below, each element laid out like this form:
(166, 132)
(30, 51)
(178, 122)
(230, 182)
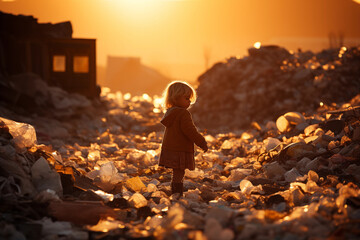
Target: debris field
(280, 165)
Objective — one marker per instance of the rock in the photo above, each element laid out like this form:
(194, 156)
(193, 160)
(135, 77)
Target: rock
(297, 197)
(151, 187)
(313, 176)
(312, 165)
(239, 174)
(135, 184)
(282, 124)
(299, 149)
(94, 155)
(294, 118)
(305, 188)
(310, 129)
(223, 215)
(137, 200)
(274, 170)
(214, 231)
(271, 143)
(292, 175)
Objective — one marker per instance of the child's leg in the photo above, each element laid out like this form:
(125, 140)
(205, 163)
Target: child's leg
(177, 181)
(178, 175)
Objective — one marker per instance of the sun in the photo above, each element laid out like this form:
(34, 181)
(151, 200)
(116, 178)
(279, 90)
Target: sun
(138, 9)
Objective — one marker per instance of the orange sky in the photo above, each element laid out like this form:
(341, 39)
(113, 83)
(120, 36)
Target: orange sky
(171, 35)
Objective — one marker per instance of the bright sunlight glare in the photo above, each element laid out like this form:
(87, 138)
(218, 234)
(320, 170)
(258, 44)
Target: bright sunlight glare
(142, 7)
(257, 45)
(139, 10)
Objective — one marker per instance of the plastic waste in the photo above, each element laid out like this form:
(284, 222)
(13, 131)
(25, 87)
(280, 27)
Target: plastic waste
(23, 134)
(47, 196)
(44, 178)
(247, 187)
(107, 172)
(194, 174)
(271, 143)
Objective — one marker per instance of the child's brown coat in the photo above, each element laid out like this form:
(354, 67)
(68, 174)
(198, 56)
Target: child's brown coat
(180, 135)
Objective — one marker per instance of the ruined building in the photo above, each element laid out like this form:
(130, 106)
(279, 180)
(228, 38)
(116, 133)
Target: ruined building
(49, 51)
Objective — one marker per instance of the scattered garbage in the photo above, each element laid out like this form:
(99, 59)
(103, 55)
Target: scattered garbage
(23, 134)
(293, 176)
(271, 82)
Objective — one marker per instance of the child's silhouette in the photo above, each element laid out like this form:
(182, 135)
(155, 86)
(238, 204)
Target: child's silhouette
(177, 151)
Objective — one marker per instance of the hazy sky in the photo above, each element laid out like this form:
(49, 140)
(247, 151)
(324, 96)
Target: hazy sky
(172, 35)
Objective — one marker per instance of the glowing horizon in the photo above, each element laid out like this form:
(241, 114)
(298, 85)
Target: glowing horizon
(173, 35)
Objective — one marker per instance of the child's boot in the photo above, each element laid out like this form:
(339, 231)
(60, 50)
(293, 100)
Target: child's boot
(177, 188)
(180, 188)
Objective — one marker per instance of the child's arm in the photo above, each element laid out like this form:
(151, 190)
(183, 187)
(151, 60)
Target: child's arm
(189, 129)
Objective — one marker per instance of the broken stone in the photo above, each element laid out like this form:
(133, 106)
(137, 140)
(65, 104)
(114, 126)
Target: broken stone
(271, 143)
(297, 196)
(222, 215)
(297, 192)
(282, 124)
(299, 149)
(274, 170)
(137, 200)
(214, 231)
(292, 175)
(239, 174)
(312, 165)
(310, 129)
(294, 118)
(135, 184)
(94, 155)
(313, 176)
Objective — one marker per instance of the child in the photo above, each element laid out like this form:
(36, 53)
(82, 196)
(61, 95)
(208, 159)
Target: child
(177, 151)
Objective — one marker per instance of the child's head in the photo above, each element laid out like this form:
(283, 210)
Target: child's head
(175, 90)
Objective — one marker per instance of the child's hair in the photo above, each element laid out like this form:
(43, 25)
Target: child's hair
(177, 89)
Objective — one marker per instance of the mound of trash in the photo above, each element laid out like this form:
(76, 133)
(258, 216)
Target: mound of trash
(272, 81)
(74, 168)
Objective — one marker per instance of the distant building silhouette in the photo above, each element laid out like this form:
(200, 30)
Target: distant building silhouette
(127, 74)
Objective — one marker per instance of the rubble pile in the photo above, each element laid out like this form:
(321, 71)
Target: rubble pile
(73, 168)
(272, 81)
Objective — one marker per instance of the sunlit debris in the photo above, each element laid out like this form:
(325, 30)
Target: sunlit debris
(270, 82)
(294, 176)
